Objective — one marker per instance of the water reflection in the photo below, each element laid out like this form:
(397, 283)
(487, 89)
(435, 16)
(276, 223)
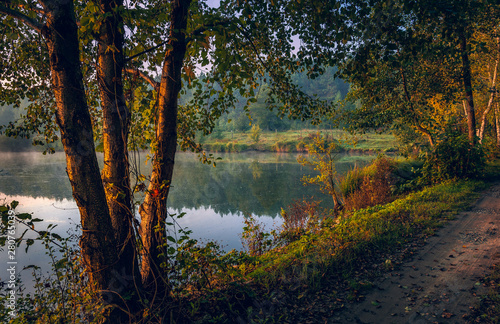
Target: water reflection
(214, 199)
(257, 184)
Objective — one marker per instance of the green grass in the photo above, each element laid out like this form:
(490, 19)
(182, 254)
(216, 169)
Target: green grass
(294, 141)
(340, 245)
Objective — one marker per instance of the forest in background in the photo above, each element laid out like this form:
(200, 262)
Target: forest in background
(326, 87)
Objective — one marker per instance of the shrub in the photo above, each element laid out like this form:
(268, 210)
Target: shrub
(454, 157)
(322, 156)
(217, 133)
(369, 186)
(351, 181)
(230, 147)
(255, 240)
(301, 147)
(255, 133)
(218, 147)
(490, 148)
(301, 217)
(284, 146)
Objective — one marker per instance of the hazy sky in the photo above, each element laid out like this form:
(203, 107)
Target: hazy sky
(213, 3)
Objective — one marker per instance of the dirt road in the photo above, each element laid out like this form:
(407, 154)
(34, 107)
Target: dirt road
(441, 282)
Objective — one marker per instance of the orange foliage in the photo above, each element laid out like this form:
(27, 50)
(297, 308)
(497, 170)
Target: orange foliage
(374, 189)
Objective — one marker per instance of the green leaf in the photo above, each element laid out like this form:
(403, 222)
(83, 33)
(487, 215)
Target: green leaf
(14, 204)
(29, 242)
(24, 216)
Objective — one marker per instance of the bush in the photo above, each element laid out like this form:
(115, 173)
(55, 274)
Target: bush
(255, 239)
(452, 158)
(255, 133)
(230, 147)
(284, 146)
(300, 218)
(301, 147)
(490, 148)
(369, 186)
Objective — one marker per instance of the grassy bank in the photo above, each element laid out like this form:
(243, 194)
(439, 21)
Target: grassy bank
(295, 141)
(331, 262)
(339, 245)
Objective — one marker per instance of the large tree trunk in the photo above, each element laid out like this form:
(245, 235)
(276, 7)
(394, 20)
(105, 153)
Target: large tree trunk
(115, 172)
(154, 209)
(467, 83)
(98, 243)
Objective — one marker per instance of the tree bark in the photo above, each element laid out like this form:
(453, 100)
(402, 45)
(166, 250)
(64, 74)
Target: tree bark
(467, 83)
(98, 243)
(154, 208)
(115, 172)
(497, 123)
(493, 90)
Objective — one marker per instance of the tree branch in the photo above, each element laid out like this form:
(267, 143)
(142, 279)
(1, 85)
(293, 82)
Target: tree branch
(146, 51)
(155, 84)
(417, 124)
(38, 10)
(22, 17)
(244, 32)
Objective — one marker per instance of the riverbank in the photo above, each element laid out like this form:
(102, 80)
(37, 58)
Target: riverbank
(315, 278)
(296, 140)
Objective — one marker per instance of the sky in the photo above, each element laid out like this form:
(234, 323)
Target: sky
(213, 3)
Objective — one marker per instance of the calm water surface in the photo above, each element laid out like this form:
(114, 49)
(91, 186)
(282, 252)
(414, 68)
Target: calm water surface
(215, 200)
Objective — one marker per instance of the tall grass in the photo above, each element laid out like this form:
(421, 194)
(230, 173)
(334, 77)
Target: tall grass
(368, 186)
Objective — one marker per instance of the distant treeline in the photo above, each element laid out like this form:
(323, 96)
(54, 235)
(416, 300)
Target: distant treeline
(326, 87)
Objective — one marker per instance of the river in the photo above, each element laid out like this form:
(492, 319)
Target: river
(215, 199)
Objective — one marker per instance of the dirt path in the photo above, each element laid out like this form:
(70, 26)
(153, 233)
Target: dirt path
(441, 282)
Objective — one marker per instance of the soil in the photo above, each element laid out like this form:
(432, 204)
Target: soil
(441, 281)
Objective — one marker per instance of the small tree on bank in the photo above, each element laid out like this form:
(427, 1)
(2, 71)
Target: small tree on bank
(255, 133)
(321, 157)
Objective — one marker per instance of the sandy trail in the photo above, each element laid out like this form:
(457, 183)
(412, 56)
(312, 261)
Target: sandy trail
(441, 282)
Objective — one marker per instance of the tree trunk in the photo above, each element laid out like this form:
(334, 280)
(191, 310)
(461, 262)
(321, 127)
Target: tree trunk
(154, 209)
(467, 83)
(98, 243)
(115, 172)
(337, 204)
(493, 90)
(497, 123)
